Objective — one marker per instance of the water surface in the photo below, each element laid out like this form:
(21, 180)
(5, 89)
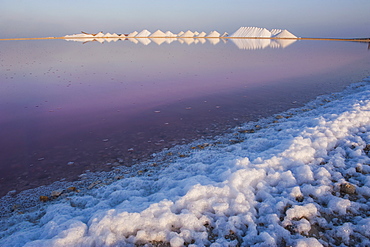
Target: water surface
(66, 106)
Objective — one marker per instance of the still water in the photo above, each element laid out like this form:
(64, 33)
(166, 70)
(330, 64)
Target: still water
(66, 106)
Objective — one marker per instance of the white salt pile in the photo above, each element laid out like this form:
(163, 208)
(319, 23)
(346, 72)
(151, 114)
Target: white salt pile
(285, 34)
(257, 32)
(300, 178)
(144, 33)
(158, 34)
(170, 34)
(202, 34)
(133, 34)
(187, 34)
(252, 32)
(213, 34)
(275, 32)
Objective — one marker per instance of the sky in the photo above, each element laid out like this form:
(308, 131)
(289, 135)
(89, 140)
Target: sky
(44, 18)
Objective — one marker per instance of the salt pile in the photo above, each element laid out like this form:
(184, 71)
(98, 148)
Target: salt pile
(187, 34)
(170, 34)
(256, 32)
(144, 33)
(275, 32)
(158, 34)
(300, 178)
(252, 32)
(202, 34)
(285, 34)
(213, 34)
(133, 34)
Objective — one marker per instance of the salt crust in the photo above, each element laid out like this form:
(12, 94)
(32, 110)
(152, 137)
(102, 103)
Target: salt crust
(277, 185)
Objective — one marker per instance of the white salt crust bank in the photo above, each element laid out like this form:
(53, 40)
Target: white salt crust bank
(300, 178)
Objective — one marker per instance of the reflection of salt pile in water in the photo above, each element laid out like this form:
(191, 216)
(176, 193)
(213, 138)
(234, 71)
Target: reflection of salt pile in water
(248, 38)
(254, 44)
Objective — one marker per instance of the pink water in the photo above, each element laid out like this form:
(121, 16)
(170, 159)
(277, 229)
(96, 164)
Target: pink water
(66, 106)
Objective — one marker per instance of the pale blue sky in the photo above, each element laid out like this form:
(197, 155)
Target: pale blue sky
(315, 18)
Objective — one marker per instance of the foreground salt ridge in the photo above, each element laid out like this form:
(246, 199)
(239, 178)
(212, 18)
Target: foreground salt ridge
(288, 183)
(281, 38)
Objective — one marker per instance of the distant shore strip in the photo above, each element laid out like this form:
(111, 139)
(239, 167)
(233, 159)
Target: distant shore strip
(298, 38)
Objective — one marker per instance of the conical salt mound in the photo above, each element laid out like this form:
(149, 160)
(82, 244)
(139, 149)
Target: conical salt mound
(144, 33)
(180, 33)
(286, 34)
(252, 32)
(158, 34)
(100, 34)
(188, 34)
(213, 34)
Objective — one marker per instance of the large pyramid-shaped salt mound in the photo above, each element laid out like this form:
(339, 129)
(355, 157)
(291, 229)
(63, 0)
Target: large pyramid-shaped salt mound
(286, 35)
(187, 34)
(144, 33)
(180, 33)
(158, 33)
(252, 32)
(213, 34)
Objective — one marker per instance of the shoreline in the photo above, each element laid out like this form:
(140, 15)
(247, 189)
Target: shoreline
(367, 40)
